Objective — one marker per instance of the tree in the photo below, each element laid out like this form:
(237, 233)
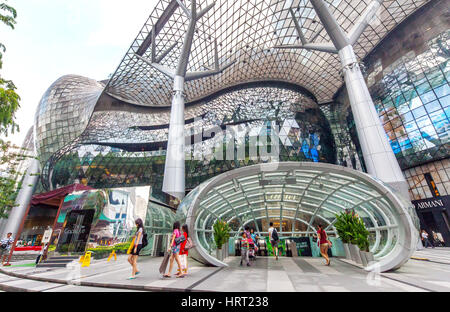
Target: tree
(10, 158)
(9, 99)
(10, 155)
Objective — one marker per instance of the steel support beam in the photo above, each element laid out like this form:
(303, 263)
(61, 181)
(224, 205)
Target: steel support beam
(174, 171)
(378, 155)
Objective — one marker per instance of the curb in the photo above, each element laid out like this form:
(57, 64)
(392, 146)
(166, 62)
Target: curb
(15, 289)
(93, 284)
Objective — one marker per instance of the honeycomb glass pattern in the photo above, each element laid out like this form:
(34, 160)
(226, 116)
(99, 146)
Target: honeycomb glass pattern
(246, 31)
(413, 101)
(64, 112)
(347, 153)
(128, 149)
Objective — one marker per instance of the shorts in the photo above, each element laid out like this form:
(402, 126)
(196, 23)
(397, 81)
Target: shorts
(4, 252)
(274, 243)
(139, 248)
(175, 249)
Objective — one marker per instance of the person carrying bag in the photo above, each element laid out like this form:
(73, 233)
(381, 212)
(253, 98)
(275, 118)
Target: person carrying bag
(175, 244)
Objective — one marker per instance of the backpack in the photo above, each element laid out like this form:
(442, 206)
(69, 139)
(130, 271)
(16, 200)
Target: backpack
(144, 240)
(275, 235)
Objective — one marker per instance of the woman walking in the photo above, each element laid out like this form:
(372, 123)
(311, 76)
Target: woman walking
(323, 243)
(183, 252)
(175, 248)
(132, 259)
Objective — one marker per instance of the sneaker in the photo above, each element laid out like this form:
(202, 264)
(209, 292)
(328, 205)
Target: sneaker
(248, 264)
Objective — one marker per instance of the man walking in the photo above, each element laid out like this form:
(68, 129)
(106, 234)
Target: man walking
(274, 239)
(5, 247)
(425, 239)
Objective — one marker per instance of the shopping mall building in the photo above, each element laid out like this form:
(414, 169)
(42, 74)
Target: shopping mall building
(259, 111)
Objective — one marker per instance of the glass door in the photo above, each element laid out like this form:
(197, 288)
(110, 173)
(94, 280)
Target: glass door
(75, 233)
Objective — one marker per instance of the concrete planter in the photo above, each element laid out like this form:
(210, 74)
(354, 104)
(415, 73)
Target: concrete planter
(348, 255)
(222, 254)
(351, 248)
(219, 254)
(356, 256)
(369, 257)
(363, 258)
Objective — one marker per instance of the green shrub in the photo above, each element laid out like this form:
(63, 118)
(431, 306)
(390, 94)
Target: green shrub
(351, 229)
(102, 252)
(221, 233)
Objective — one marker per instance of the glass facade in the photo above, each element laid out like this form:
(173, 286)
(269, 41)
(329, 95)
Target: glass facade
(159, 220)
(246, 31)
(413, 101)
(347, 149)
(64, 112)
(126, 148)
(418, 186)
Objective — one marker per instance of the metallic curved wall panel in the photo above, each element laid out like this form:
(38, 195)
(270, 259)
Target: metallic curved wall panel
(63, 113)
(305, 193)
(124, 148)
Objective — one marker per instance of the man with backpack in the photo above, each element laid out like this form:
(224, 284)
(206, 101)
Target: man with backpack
(5, 247)
(274, 239)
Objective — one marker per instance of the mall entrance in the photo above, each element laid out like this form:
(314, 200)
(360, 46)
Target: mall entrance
(296, 197)
(75, 232)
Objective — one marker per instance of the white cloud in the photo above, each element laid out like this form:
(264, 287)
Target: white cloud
(58, 37)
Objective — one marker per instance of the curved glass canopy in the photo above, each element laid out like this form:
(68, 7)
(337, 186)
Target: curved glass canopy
(298, 197)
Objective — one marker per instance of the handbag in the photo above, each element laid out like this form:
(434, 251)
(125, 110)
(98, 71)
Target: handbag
(189, 244)
(180, 239)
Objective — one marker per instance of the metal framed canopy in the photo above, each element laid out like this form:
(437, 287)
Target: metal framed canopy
(309, 193)
(246, 32)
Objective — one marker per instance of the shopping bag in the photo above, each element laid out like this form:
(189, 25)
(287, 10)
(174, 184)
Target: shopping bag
(163, 267)
(131, 246)
(183, 261)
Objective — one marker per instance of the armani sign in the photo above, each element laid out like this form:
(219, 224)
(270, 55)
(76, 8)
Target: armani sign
(430, 203)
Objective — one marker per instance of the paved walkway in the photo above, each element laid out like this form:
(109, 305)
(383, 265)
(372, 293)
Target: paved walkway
(438, 255)
(265, 275)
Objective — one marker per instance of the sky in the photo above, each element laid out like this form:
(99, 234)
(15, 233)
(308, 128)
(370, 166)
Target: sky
(53, 38)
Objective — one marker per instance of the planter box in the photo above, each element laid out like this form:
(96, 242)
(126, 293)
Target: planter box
(222, 254)
(356, 256)
(348, 255)
(369, 257)
(363, 258)
(219, 254)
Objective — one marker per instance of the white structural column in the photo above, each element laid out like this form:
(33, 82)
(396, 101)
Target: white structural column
(378, 155)
(174, 172)
(23, 198)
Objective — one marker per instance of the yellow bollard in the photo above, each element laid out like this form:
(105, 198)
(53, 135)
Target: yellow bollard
(87, 259)
(113, 253)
